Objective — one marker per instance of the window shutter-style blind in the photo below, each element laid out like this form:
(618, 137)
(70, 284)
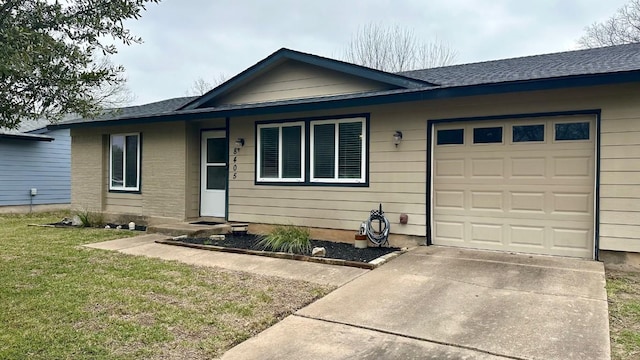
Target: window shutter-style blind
(350, 150)
(291, 152)
(324, 151)
(269, 152)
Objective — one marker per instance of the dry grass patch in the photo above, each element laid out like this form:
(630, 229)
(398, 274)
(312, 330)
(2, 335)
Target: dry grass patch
(623, 292)
(61, 300)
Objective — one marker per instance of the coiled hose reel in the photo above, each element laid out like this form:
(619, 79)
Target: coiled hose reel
(381, 236)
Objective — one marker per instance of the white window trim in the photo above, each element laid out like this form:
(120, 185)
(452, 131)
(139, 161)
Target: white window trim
(280, 162)
(363, 151)
(124, 165)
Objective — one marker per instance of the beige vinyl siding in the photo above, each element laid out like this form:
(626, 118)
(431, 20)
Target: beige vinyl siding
(294, 80)
(397, 180)
(398, 176)
(620, 180)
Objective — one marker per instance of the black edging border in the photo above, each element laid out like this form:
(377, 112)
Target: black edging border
(281, 255)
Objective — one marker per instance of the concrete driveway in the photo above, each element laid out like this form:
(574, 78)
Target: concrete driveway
(444, 303)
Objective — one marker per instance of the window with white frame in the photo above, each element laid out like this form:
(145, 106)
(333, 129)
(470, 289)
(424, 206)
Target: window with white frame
(124, 162)
(281, 152)
(338, 153)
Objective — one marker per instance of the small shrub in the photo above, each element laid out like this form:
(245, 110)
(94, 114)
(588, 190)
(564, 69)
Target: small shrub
(90, 218)
(291, 239)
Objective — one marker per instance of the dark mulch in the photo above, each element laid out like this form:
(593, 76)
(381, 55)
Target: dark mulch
(111, 225)
(335, 250)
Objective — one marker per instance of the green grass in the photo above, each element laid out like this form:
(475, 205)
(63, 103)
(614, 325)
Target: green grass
(291, 239)
(623, 292)
(60, 300)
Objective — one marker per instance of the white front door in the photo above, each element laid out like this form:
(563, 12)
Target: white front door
(213, 174)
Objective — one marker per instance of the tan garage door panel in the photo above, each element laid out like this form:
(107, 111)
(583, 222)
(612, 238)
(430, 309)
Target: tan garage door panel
(531, 191)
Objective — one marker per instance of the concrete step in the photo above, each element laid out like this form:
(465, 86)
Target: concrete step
(239, 227)
(191, 230)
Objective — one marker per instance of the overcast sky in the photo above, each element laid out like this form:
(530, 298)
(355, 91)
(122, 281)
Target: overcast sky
(189, 39)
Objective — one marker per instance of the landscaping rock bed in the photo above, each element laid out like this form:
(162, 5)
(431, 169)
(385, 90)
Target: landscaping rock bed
(334, 250)
(111, 226)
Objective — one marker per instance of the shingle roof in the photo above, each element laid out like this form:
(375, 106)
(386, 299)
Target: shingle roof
(28, 130)
(580, 66)
(284, 54)
(154, 108)
(24, 136)
(581, 62)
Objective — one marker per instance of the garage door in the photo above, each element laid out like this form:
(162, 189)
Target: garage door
(524, 185)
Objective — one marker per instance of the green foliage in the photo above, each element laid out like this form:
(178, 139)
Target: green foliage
(47, 55)
(291, 239)
(90, 218)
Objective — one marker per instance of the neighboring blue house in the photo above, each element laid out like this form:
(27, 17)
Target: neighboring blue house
(33, 157)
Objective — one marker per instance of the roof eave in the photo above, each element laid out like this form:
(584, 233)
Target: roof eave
(331, 64)
(26, 137)
(381, 99)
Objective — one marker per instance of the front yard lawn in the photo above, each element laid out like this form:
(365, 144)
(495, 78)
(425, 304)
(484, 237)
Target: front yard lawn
(623, 293)
(60, 300)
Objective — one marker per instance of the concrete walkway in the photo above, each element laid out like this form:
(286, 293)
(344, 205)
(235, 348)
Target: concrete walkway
(144, 245)
(430, 303)
(443, 303)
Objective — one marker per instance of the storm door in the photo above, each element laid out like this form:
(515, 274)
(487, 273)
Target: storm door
(213, 174)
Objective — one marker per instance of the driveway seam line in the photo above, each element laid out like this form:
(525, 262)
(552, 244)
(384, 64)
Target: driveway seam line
(506, 263)
(411, 337)
(524, 291)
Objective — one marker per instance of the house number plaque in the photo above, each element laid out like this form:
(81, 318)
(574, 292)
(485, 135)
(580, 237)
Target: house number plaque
(235, 164)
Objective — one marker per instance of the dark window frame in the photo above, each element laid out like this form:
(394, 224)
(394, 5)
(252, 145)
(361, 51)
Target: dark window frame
(362, 181)
(279, 178)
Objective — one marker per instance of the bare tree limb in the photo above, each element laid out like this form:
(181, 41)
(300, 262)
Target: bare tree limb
(201, 86)
(395, 49)
(621, 28)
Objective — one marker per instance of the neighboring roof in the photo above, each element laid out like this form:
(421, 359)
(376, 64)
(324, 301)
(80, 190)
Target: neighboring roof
(615, 64)
(581, 62)
(154, 108)
(157, 107)
(28, 130)
(22, 136)
(284, 54)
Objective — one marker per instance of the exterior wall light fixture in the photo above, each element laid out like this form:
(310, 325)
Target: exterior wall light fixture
(397, 137)
(238, 144)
